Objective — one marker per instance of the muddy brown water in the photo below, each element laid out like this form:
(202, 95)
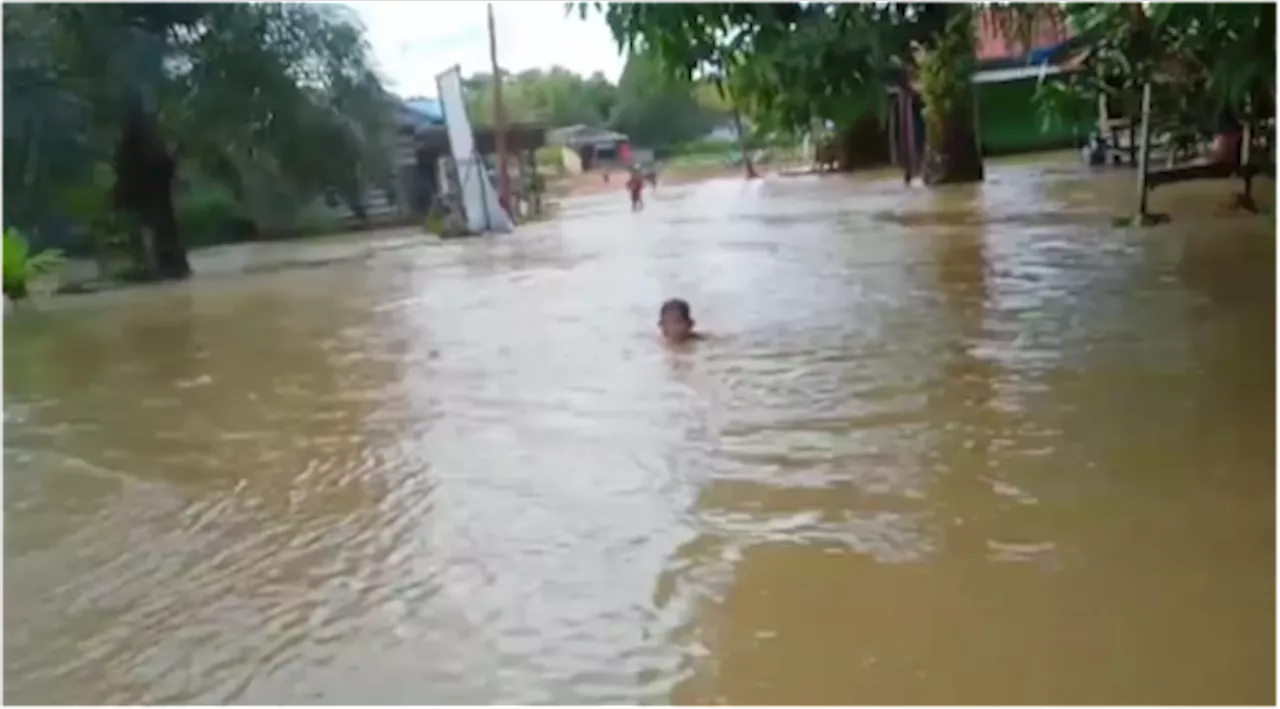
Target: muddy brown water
(961, 445)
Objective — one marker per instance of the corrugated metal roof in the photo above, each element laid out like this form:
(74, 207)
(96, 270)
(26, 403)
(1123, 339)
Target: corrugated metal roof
(428, 110)
(1000, 76)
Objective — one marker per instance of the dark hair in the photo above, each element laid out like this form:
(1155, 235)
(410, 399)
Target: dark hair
(676, 306)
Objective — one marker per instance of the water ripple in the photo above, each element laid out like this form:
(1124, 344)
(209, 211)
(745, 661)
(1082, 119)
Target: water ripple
(469, 473)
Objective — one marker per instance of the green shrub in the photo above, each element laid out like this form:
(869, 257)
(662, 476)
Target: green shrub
(21, 267)
(209, 214)
(550, 157)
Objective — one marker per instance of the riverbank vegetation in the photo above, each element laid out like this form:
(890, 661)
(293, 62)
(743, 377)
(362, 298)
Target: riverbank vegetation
(791, 67)
(130, 128)
(652, 108)
(134, 132)
(22, 266)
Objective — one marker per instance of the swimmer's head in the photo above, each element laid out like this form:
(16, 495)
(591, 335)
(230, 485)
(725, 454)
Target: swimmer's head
(675, 320)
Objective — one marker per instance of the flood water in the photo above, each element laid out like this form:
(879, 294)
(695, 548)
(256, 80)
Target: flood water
(949, 446)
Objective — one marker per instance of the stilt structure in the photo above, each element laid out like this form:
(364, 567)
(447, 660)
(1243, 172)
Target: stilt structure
(1110, 131)
(1243, 164)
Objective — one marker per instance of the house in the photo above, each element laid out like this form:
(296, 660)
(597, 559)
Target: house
(423, 143)
(404, 199)
(1005, 83)
(992, 44)
(594, 146)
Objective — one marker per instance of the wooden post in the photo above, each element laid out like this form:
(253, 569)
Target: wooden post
(1104, 126)
(977, 117)
(499, 118)
(895, 129)
(535, 183)
(1133, 143)
(907, 117)
(1246, 137)
(1144, 151)
(1246, 155)
(748, 164)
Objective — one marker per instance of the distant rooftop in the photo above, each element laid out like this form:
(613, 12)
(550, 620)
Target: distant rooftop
(424, 111)
(996, 44)
(583, 134)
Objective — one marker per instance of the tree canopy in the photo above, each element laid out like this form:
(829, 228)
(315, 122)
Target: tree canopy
(556, 96)
(791, 65)
(1208, 63)
(275, 101)
(654, 109)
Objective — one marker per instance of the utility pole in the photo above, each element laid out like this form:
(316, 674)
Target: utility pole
(499, 118)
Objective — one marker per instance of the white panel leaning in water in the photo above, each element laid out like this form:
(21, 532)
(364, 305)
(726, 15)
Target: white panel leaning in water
(480, 203)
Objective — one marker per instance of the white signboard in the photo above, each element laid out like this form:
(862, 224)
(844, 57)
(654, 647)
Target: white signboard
(480, 202)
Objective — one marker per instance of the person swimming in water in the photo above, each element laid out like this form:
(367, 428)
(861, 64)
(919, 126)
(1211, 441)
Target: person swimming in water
(676, 322)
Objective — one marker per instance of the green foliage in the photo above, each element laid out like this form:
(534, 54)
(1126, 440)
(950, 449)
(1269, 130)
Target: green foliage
(557, 97)
(652, 108)
(657, 110)
(22, 267)
(250, 95)
(1205, 61)
(89, 203)
(785, 65)
(434, 223)
(549, 157)
(944, 75)
(209, 214)
(720, 147)
(793, 66)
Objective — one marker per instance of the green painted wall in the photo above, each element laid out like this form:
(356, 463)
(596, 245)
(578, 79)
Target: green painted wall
(1009, 123)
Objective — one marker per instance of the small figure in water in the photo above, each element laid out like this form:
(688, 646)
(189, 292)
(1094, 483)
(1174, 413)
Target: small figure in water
(635, 185)
(676, 322)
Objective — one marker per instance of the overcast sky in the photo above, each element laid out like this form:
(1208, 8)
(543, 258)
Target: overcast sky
(414, 41)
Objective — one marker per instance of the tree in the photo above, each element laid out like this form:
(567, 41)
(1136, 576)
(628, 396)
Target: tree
(798, 64)
(556, 96)
(1209, 65)
(274, 100)
(652, 107)
(655, 109)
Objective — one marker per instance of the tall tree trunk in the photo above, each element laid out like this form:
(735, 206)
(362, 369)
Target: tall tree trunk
(944, 82)
(951, 153)
(144, 187)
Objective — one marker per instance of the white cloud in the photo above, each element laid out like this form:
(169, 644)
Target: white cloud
(414, 41)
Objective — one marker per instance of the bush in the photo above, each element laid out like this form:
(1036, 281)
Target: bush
(705, 147)
(727, 148)
(21, 267)
(549, 156)
(209, 214)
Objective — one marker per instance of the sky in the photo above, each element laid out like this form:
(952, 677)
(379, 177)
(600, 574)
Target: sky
(414, 41)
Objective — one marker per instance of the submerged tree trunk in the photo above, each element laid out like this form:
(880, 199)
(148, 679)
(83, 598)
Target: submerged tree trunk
(144, 187)
(944, 82)
(951, 153)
